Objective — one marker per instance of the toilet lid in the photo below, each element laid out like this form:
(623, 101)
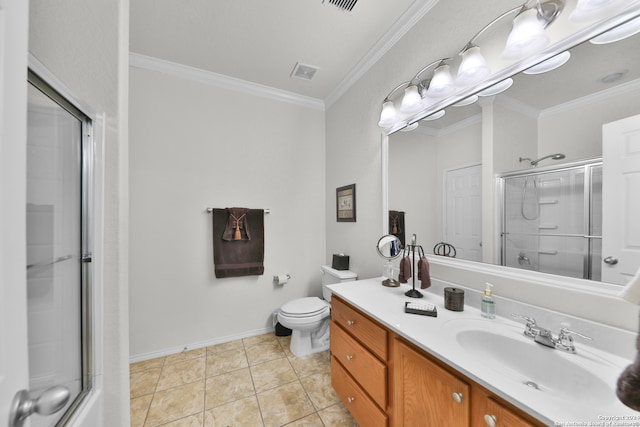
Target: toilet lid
(304, 307)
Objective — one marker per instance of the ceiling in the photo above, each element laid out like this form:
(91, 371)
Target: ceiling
(261, 41)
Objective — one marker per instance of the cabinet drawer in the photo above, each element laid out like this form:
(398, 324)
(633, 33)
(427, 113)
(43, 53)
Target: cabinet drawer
(365, 412)
(365, 368)
(365, 330)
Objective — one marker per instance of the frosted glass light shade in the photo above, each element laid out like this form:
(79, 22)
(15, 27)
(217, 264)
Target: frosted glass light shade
(591, 10)
(550, 64)
(497, 88)
(526, 37)
(435, 116)
(442, 83)
(618, 33)
(467, 101)
(473, 67)
(411, 101)
(389, 115)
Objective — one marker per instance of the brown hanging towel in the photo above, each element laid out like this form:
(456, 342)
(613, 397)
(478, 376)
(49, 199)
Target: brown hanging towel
(238, 257)
(423, 273)
(405, 270)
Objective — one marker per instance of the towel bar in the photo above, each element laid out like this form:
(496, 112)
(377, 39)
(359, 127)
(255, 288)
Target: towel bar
(266, 211)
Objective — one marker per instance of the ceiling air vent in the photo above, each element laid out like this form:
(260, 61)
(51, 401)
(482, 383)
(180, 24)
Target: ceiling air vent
(302, 71)
(346, 5)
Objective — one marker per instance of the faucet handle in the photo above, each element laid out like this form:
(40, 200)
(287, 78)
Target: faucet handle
(565, 340)
(520, 316)
(566, 333)
(531, 325)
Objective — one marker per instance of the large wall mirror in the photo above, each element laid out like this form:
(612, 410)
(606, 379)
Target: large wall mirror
(521, 179)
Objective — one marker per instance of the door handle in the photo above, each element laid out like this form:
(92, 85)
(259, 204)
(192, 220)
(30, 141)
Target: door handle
(610, 260)
(49, 402)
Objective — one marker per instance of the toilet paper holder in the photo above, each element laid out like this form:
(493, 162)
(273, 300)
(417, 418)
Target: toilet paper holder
(281, 279)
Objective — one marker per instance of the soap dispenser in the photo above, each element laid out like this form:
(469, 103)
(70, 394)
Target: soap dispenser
(487, 305)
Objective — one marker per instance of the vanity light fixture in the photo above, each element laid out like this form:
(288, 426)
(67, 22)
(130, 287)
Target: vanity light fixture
(549, 64)
(474, 68)
(527, 35)
(618, 33)
(497, 88)
(591, 10)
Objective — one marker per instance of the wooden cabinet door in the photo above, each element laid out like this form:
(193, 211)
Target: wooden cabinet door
(426, 394)
(498, 416)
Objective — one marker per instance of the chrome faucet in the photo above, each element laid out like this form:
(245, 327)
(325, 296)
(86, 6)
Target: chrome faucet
(544, 336)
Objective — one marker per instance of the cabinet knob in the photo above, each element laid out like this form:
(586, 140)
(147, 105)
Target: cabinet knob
(490, 420)
(349, 357)
(457, 397)
(351, 322)
(351, 399)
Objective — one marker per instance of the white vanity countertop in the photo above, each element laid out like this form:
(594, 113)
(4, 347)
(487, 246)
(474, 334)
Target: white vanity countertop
(437, 336)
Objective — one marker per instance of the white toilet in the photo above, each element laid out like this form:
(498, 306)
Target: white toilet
(308, 318)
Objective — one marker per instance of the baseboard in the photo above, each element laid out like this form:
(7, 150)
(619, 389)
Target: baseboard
(193, 346)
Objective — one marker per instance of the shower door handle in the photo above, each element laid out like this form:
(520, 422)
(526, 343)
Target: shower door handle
(610, 260)
(49, 402)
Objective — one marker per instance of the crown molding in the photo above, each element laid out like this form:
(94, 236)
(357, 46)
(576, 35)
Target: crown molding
(408, 19)
(219, 80)
(603, 95)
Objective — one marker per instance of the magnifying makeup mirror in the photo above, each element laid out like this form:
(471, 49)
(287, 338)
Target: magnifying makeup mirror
(389, 247)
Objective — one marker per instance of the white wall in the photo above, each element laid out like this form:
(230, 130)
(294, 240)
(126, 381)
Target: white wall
(413, 179)
(85, 44)
(576, 129)
(195, 146)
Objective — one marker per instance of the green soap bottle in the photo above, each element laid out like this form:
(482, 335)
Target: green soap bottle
(488, 305)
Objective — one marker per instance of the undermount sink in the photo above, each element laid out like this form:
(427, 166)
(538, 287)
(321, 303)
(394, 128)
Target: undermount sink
(507, 351)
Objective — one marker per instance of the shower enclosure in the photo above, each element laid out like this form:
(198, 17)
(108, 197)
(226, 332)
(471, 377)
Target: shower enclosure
(552, 219)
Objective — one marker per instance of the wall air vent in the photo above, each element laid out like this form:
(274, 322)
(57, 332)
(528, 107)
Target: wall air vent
(304, 72)
(346, 5)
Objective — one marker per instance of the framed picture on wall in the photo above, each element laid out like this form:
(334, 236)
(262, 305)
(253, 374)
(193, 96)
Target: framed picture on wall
(346, 203)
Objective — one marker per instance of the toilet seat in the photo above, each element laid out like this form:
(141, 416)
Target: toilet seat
(304, 307)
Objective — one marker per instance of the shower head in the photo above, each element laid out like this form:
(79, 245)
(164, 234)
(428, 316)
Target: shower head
(533, 163)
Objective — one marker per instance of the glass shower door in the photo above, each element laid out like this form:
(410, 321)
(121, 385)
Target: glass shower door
(552, 220)
(57, 288)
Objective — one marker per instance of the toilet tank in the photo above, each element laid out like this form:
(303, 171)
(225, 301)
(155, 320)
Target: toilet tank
(331, 276)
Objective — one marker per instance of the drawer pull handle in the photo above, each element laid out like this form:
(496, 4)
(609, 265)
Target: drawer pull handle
(349, 357)
(490, 420)
(351, 322)
(457, 397)
(351, 399)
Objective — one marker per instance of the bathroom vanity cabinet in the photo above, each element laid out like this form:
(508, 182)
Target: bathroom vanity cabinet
(359, 364)
(428, 392)
(386, 381)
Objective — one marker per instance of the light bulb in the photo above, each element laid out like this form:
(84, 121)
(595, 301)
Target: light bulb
(389, 115)
(473, 67)
(526, 37)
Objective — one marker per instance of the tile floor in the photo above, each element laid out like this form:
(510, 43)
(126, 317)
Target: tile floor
(254, 381)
